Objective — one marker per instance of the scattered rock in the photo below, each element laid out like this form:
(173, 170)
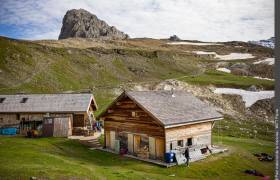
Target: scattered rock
(262, 70)
(240, 72)
(83, 24)
(240, 66)
(253, 88)
(263, 109)
(221, 64)
(174, 38)
(240, 69)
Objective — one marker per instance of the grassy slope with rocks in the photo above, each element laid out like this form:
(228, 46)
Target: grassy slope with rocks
(106, 67)
(34, 68)
(77, 64)
(222, 79)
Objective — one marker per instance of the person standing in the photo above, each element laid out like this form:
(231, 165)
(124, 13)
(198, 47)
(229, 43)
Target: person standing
(187, 155)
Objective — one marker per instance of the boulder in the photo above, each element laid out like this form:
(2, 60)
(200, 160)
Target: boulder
(82, 24)
(263, 109)
(174, 38)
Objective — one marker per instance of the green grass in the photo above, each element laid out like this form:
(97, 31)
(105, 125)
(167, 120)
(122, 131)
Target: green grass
(59, 158)
(245, 129)
(222, 79)
(33, 68)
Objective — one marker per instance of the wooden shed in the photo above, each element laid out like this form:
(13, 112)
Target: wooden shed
(55, 114)
(147, 124)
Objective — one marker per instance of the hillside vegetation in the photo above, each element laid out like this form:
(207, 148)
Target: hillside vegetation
(105, 67)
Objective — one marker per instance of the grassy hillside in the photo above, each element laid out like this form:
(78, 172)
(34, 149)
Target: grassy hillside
(59, 158)
(222, 79)
(105, 67)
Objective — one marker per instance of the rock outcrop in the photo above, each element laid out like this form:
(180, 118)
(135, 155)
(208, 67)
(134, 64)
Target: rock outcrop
(263, 109)
(81, 23)
(174, 38)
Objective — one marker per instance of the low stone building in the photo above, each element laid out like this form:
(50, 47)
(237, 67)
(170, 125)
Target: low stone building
(148, 124)
(72, 113)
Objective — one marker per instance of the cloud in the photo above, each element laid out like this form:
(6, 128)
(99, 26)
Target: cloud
(206, 20)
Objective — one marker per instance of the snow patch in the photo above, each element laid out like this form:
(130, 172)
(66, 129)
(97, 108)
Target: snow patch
(224, 70)
(204, 53)
(257, 77)
(193, 43)
(231, 56)
(234, 56)
(269, 61)
(249, 97)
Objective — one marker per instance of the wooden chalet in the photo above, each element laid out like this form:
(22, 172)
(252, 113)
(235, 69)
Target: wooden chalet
(147, 124)
(53, 114)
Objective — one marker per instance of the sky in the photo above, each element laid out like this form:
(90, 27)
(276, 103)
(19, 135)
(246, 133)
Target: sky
(204, 20)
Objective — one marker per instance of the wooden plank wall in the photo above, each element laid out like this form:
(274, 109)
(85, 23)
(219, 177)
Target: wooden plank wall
(120, 118)
(62, 127)
(8, 119)
(201, 134)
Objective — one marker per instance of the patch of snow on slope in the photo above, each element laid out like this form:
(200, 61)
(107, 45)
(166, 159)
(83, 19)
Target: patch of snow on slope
(234, 56)
(204, 53)
(193, 43)
(224, 70)
(231, 56)
(257, 77)
(269, 61)
(249, 97)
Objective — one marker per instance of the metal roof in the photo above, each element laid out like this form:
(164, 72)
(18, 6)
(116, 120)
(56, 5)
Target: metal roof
(174, 108)
(46, 103)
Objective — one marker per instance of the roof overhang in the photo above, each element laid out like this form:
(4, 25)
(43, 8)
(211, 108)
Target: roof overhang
(92, 103)
(192, 122)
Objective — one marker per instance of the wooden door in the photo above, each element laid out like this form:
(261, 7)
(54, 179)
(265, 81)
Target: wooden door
(48, 127)
(107, 139)
(61, 127)
(136, 143)
(152, 147)
(130, 143)
(112, 139)
(159, 148)
(78, 120)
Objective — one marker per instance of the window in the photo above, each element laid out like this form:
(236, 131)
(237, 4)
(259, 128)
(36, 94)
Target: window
(180, 143)
(189, 143)
(133, 114)
(171, 146)
(18, 116)
(1, 120)
(23, 100)
(2, 100)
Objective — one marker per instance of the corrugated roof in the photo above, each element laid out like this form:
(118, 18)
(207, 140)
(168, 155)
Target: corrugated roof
(46, 103)
(180, 108)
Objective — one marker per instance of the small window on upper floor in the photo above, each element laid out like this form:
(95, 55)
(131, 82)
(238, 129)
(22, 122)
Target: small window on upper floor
(2, 100)
(133, 114)
(23, 100)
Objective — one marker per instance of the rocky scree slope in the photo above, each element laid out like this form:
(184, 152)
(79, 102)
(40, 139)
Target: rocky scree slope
(83, 24)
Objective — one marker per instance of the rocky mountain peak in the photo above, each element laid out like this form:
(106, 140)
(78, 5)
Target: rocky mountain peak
(81, 23)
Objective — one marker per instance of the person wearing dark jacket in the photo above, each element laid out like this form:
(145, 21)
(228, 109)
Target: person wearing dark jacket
(187, 155)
